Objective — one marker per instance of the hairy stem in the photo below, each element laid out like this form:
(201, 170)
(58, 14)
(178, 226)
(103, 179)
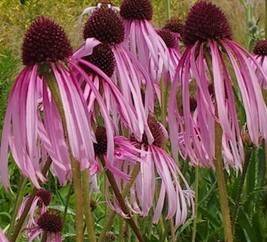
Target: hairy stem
(223, 196)
(112, 214)
(75, 166)
(121, 202)
(89, 219)
(28, 205)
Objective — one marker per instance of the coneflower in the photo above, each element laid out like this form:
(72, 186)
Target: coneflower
(209, 51)
(158, 169)
(33, 122)
(49, 226)
(104, 34)
(172, 43)
(260, 52)
(124, 151)
(39, 205)
(142, 39)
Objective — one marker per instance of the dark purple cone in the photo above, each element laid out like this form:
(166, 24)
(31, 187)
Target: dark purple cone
(101, 146)
(136, 10)
(105, 25)
(103, 58)
(44, 195)
(174, 25)
(50, 222)
(45, 41)
(261, 48)
(168, 37)
(205, 22)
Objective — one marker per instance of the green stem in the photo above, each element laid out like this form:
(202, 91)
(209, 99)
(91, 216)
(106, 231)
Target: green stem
(168, 7)
(75, 166)
(28, 205)
(67, 202)
(238, 197)
(19, 198)
(112, 214)
(89, 219)
(121, 202)
(223, 196)
(196, 204)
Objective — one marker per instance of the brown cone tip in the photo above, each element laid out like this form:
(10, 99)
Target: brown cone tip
(156, 130)
(261, 48)
(205, 22)
(105, 25)
(50, 222)
(101, 146)
(136, 10)
(174, 25)
(169, 38)
(45, 41)
(103, 58)
(44, 195)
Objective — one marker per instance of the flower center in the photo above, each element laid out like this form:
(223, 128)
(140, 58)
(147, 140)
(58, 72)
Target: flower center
(101, 146)
(105, 25)
(174, 25)
(205, 21)
(136, 10)
(261, 48)
(50, 222)
(45, 41)
(103, 58)
(157, 132)
(168, 37)
(44, 195)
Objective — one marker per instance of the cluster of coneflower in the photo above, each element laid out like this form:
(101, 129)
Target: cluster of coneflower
(79, 114)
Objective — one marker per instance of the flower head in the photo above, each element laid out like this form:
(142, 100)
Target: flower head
(205, 21)
(44, 42)
(103, 58)
(261, 48)
(49, 223)
(174, 25)
(105, 25)
(169, 38)
(33, 127)
(158, 166)
(207, 33)
(136, 10)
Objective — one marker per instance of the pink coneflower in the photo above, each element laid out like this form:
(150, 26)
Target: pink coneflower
(32, 120)
(39, 205)
(124, 151)
(209, 51)
(260, 51)
(176, 26)
(3, 237)
(158, 169)
(48, 226)
(142, 39)
(103, 34)
(172, 44)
